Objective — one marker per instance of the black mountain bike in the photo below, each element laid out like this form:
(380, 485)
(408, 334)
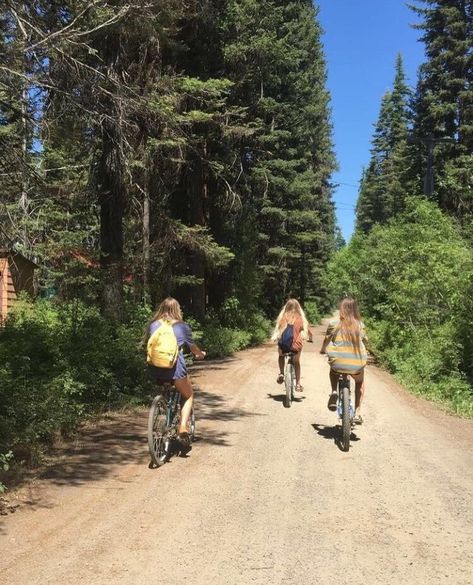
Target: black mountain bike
(163, 424)
(289, 378)
(345, 410)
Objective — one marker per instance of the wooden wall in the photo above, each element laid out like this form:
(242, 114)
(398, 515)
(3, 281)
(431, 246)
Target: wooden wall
(16, 275)
(5, 277)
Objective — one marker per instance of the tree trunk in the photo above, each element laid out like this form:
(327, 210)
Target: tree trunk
(198, 190)
(146, 239)
(111, 196)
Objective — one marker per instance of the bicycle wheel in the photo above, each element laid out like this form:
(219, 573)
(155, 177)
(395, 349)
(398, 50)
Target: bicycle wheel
(346, 419)
(158, 436)
(289, 376)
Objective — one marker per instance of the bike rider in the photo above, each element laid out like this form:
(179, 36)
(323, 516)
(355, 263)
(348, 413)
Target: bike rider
(344, 344)
(169, 310)
(292, 314)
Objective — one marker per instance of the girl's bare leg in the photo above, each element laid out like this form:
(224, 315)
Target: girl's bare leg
(334, 381)
(184, 387)
(281, 363)
(359, 391)
(297, 367)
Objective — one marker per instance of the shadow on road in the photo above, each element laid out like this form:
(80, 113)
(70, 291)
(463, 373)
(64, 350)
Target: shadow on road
(200, 367)
(93, 453)
(333, 433)
(103, 448)
(280, 397)
(212, 406)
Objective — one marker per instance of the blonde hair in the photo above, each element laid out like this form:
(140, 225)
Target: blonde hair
(168, 310)
(350, 322)
(288, 314)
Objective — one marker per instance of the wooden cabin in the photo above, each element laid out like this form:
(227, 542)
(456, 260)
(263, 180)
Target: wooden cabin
(16, 275)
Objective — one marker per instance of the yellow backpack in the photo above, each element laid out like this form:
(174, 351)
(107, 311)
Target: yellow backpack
(162, 350)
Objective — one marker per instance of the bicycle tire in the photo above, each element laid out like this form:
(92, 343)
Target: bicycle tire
(288, 382)
(293, 380)
(346, 419)
(158, 436)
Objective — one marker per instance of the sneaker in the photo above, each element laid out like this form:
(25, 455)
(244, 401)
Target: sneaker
(332, 401)
(184, 438)
(280, 379)
(358, 419)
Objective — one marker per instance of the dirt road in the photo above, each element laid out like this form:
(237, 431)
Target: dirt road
(264, 497)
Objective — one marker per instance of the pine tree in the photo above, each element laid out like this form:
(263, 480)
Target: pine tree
(276, 45)
(444, 105)
(18, 96)
(384, 185)
(183, 145)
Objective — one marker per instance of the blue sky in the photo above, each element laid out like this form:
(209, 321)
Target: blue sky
(361, 41)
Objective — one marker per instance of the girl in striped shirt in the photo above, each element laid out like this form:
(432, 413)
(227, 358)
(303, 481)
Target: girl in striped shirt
(344, 344)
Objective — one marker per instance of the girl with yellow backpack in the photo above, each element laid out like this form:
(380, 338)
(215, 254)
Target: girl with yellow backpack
(165, 337)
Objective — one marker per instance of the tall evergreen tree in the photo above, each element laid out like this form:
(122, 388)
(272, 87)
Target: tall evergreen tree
(444, 104)
(385, 184)
(275, 57)
(182, 146)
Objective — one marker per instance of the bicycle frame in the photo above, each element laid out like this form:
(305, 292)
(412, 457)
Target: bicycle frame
(288, 359)
(289, 378)
(172, 396)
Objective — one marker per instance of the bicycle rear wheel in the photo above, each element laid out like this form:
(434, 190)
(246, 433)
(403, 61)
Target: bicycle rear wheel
(159, 442)
(289, 380)
(346, 419)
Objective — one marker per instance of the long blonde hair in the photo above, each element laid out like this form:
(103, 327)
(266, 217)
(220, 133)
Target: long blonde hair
(350, 325)
(168, 310)
(288, 314)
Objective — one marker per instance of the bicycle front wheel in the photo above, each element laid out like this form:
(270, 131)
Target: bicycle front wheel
(158, 436)
(346, 419)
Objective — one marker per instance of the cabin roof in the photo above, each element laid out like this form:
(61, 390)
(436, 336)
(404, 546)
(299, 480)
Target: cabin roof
(5, 252)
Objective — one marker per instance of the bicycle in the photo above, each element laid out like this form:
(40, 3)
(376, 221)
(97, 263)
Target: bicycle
(289, 378)
(163, 423)
(345, 410)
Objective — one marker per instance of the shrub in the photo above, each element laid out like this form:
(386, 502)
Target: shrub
(60, 362)
(312, 312)
(221, 341)
(231, 329)
(5, 459)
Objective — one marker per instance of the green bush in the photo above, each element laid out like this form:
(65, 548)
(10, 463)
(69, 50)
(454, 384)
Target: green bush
(231, 329)
(5, 459)
(220, 341)
(60, 362)
(259, 328)
(312, 312)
